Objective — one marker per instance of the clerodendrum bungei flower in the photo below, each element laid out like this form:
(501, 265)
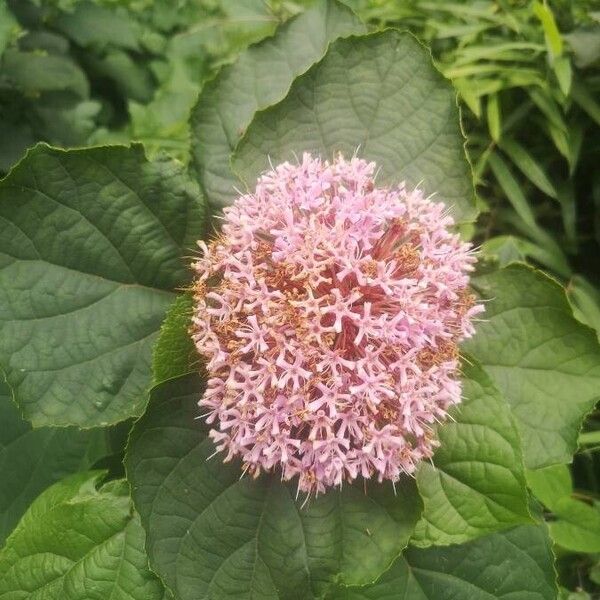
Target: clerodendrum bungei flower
(329, 311)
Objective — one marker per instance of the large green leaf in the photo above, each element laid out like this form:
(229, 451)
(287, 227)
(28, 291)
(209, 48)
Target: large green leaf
(214, 534)
(516, 565)
(33, 459)
(379, 95)
(476, 484)
(78, 542)
(545, 363)
(260, 77)
(91, 247)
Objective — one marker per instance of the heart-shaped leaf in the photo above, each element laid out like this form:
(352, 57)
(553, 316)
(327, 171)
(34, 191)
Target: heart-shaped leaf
(213, 533)
(544, 362)
(91, 247)
(261, 76)
(78, 542)
(476, 484)
(378, 95)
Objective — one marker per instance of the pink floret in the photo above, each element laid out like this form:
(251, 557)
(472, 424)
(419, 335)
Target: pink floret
(328, 311)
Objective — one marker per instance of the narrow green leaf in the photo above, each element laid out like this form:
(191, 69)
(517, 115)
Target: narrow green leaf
(545, 363)
(568, 210)
(515, 565)
(474, 52)
(549, 107)
(376, 95)
(470, 96)
(512, 189)
(551, 32)
(552, 252)
(590, 438)
(559, 137)
(586, 100)
(493, 116)
(92, 246)
(522, 75)
(564, 74)
(528, 165)
(487, 11)
(78, 542)
(261, 77)
(476, 484)
(213, 533)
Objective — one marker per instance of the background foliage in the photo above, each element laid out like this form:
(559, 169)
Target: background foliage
(87, 72)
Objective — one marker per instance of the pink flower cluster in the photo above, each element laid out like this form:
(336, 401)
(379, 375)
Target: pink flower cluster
(329, 311)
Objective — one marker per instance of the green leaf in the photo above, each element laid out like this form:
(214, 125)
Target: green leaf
(576, 526)
(564, 73)
(551, 251)
(36, 72)
(508, 248)
(585, 99)
(78, 542)
(476, 484)
(545, 363)
(91, 25)
(131, 78)
(9, 27)
(174, 352)
(493, 116)
(590, 438)
(551, 33)
(212, 533)
(548, 106)
(91, 248)
(33, 459)
(528, 165)
(511, 188)
(515, 565)
(378, 95)
(260, 77)
(550, 484)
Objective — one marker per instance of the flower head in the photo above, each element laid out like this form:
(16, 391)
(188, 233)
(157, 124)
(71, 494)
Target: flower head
(329, 312)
